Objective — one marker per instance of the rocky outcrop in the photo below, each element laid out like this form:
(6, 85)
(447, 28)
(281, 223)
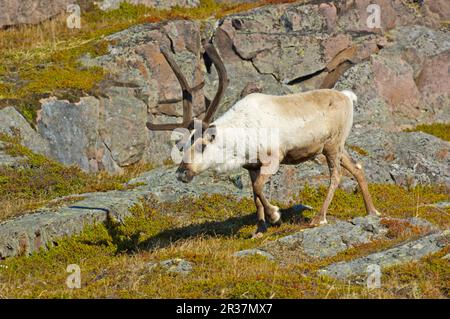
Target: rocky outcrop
(30, 233)
(14, 12)
(329, 240)
(38, 230)
(408, 252)
(14, 124)
(160, 4)
(277, 49)
(30, 11)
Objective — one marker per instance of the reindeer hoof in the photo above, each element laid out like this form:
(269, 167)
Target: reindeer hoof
(257, 235)
(375, 213)
(318, 221)
(261, 228)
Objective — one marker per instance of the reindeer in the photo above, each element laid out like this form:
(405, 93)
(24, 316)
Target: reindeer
(308, 124)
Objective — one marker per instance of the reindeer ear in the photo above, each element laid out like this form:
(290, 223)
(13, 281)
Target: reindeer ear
(210, 133)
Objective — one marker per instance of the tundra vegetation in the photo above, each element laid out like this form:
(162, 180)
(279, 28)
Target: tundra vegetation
(441, 130)
(115, 257)
(39, 61)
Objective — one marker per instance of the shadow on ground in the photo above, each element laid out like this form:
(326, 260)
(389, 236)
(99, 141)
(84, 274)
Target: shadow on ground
(229, 227)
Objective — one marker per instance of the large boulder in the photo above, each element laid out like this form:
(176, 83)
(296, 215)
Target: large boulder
(166, 4)
(13, 123)
(72, 131)
(405, 83)
(30, 11)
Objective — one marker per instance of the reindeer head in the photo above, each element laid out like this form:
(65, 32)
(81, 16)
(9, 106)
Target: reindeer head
(202, 134)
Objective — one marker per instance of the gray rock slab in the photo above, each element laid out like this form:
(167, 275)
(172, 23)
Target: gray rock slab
(411, 251)
(175, 265)
(38, 230)
(12, 122)
(253, 252)
(165, 187)
(330, 239)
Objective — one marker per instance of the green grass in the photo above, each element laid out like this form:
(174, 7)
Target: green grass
(441, 130)
(41, 180)
(113, 256)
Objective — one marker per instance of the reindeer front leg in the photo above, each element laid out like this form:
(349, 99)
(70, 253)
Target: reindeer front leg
(263, 207)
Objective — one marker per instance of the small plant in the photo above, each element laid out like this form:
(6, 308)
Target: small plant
(358, 150)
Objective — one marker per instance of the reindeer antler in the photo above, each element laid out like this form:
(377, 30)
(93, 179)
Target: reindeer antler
(223, 82)
(187, 91)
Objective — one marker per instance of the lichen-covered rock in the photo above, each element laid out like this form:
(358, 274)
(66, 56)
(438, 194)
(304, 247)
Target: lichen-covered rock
(411, 251)
(30, 11)
(13, 123)
(175, 265)
(30, 233)
(159, 4)
(329, 240)
(278, 33)
(403, 158)
(121, 119)
(72, 131)
(254, 252)
(416, 52)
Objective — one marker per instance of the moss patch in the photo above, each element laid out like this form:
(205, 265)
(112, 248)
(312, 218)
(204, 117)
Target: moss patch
(358, 150)
(441, 130)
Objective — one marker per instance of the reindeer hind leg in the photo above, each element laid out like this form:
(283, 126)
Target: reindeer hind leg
(356, 170)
